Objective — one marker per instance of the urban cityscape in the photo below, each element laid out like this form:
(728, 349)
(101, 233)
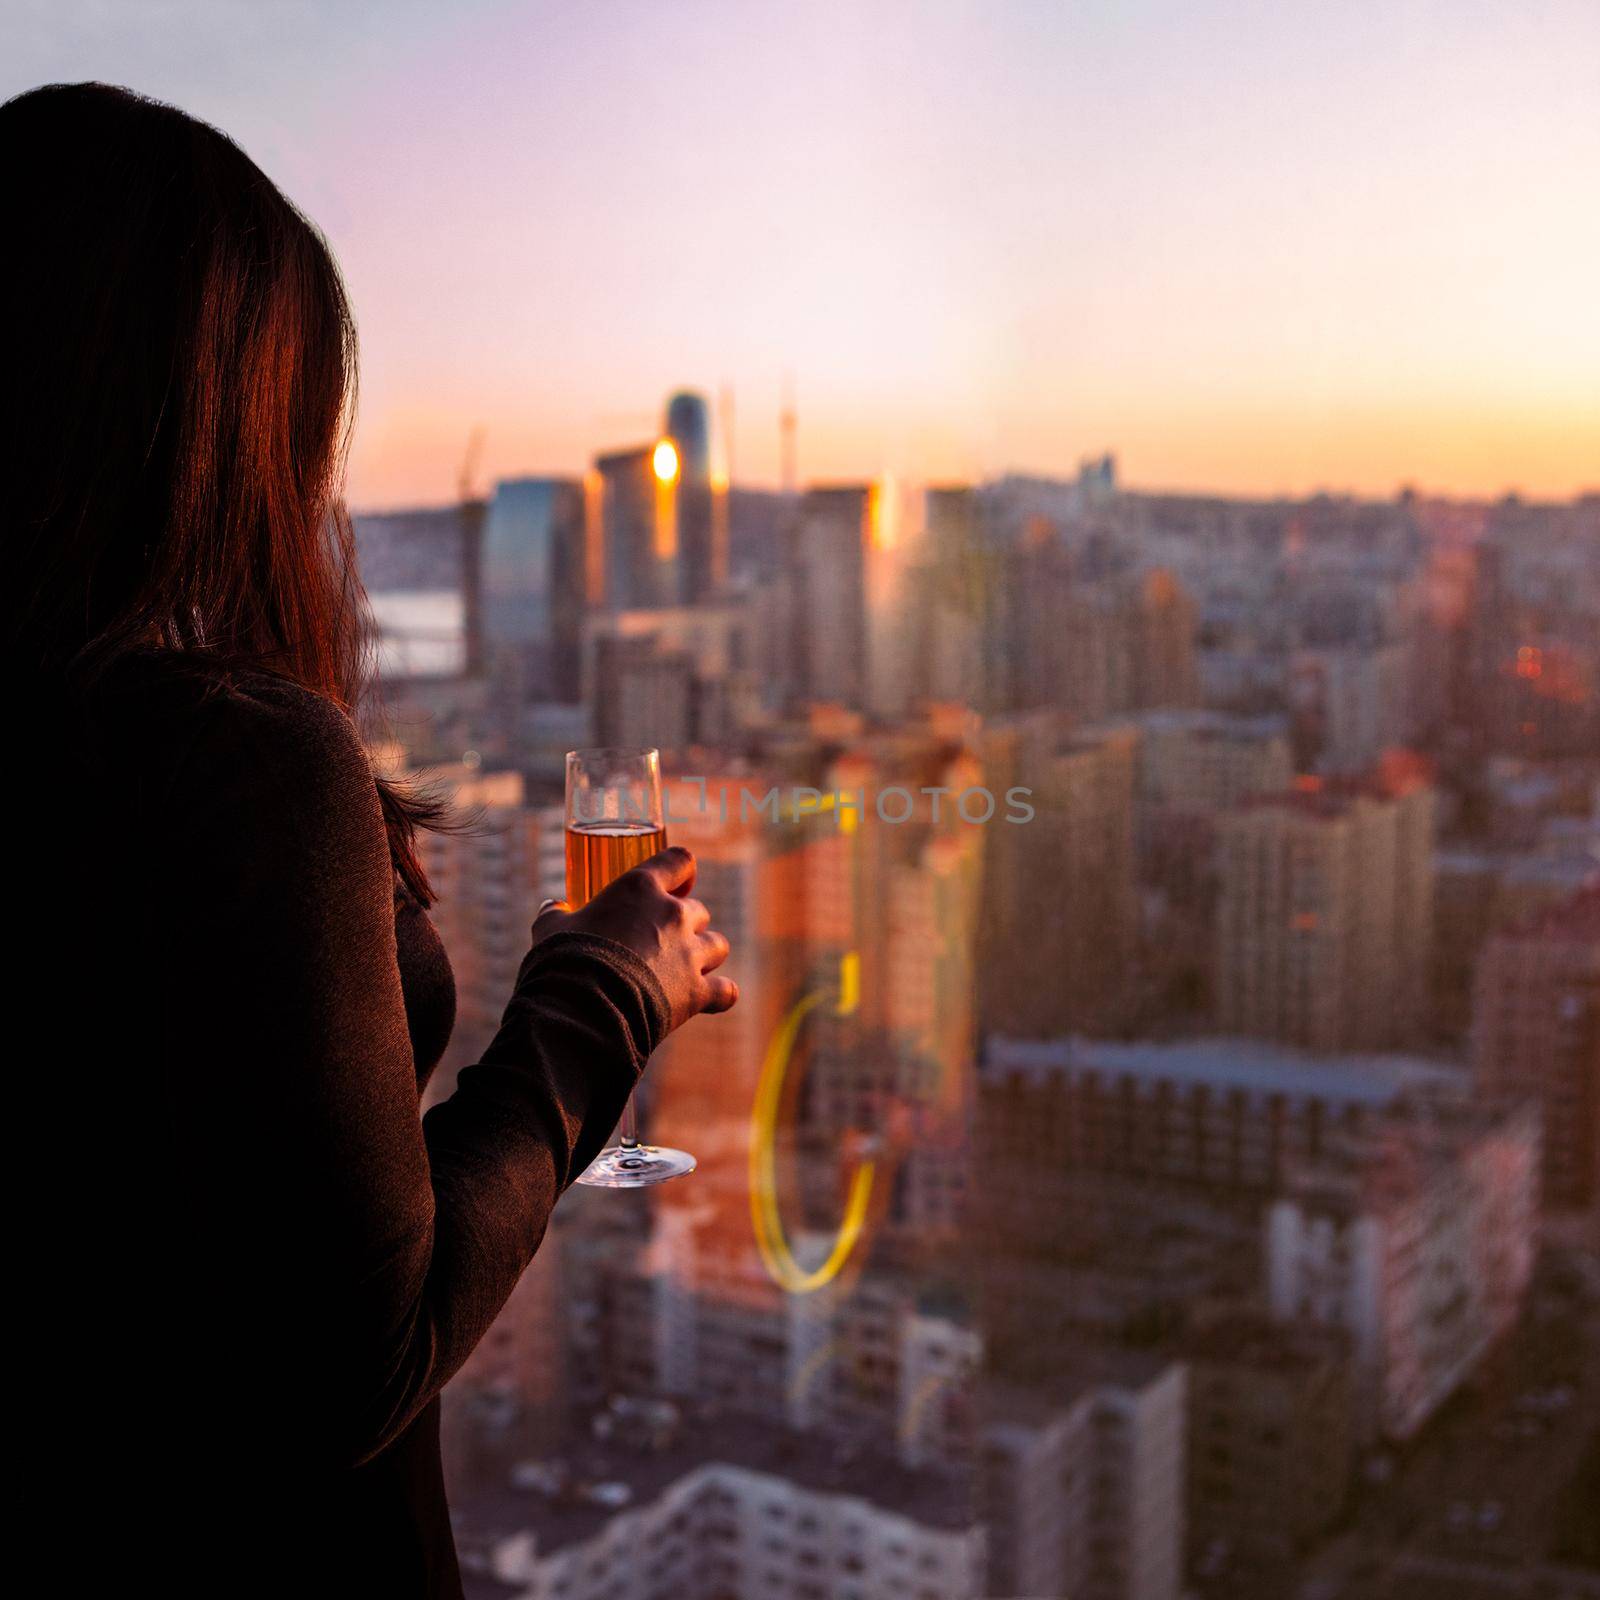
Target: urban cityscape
(1157, 1151)
(1155, 1154)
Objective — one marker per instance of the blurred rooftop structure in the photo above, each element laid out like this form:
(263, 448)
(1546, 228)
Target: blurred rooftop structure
(1225, 1064)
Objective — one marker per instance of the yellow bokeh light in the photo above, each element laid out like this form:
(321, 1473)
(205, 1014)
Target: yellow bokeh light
(665, 461)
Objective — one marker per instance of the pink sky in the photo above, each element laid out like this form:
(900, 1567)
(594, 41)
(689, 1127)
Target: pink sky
(1249, 248)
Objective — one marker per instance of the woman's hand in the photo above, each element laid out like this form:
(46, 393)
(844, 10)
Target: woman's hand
(650, 911)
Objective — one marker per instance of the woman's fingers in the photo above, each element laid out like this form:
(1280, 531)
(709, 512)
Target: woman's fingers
(551, 916)
(671, 869)
(653, 912)
(721, 994)
(713, 950)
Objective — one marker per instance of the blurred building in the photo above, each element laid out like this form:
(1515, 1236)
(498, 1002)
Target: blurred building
(959, 646)
(1065, 960)
(671, 678)
(1192, 767)
(1271, 1447)
(490, 877)
(702, 541)
(1155, 665)
(896, 886)
(420, 569)
(533, 587)
(1096, 645)
(1351, 702)
(1227, 1118)
(1532, 660)
(1481, 893)
(726, 1509)
(828, 574)
(1202, 762)
(1324, 915)
(1419, 1244)
(1082, 1482)
(1274, 1245)
(634, 517)
(1536, 1034)
(841, 610)
(1076, 1137)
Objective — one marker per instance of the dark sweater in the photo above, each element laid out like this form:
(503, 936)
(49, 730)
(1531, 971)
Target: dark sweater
(252, 1264)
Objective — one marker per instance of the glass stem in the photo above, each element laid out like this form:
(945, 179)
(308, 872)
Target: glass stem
(628, 1129)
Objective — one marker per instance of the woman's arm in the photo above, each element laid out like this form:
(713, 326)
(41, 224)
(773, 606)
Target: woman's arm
(367, 1249)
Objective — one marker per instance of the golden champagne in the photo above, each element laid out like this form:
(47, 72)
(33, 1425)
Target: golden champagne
(615, 821)
(597, 852)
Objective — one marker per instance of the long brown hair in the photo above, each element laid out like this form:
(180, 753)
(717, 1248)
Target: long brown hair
(180, 376)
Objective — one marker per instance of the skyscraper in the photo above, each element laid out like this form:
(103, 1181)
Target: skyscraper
(532, 585)
(688, 426)
(640, 548)
(829, 575)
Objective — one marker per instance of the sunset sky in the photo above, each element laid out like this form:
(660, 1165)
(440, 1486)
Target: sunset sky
(1250, 247)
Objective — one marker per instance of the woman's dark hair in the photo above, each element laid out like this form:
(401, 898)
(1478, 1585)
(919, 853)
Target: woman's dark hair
(177, 391)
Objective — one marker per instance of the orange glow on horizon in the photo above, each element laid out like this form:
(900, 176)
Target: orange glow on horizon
(594, 538)
(883, 514)
(407, 453)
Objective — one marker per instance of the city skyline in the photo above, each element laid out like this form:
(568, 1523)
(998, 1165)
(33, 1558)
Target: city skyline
(1130, 746)
(1247, 260)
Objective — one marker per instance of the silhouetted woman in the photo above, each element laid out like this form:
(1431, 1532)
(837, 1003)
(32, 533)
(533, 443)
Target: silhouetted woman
(245, 1264)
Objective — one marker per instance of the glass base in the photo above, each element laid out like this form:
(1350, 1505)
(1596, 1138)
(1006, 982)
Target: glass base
(635, 1166)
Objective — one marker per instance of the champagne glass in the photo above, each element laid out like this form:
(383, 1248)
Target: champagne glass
(614, 821)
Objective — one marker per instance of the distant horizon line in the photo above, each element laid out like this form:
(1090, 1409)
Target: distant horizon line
(1579, 496)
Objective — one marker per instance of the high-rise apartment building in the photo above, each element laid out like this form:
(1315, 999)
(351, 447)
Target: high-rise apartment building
(729, 1509)
(670, 678)
(1271, 1445)
(1352, 703)
(1324, 912)
(1081, 1481)
(1419, 1244)
(1481, 893)
(1066, 960)
(1158, 621)
(1536, 1034)
(1199, 763)
(828, 572)
(961, 647)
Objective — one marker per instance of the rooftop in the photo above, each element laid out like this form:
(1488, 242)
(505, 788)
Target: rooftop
(572, 1513)
(1250, 1065)
(1210, 724)
(1098, 1368)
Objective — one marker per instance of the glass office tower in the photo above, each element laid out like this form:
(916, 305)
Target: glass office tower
(532, 586)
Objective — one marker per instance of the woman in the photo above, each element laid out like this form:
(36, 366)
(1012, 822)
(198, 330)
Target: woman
(252, 1265)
